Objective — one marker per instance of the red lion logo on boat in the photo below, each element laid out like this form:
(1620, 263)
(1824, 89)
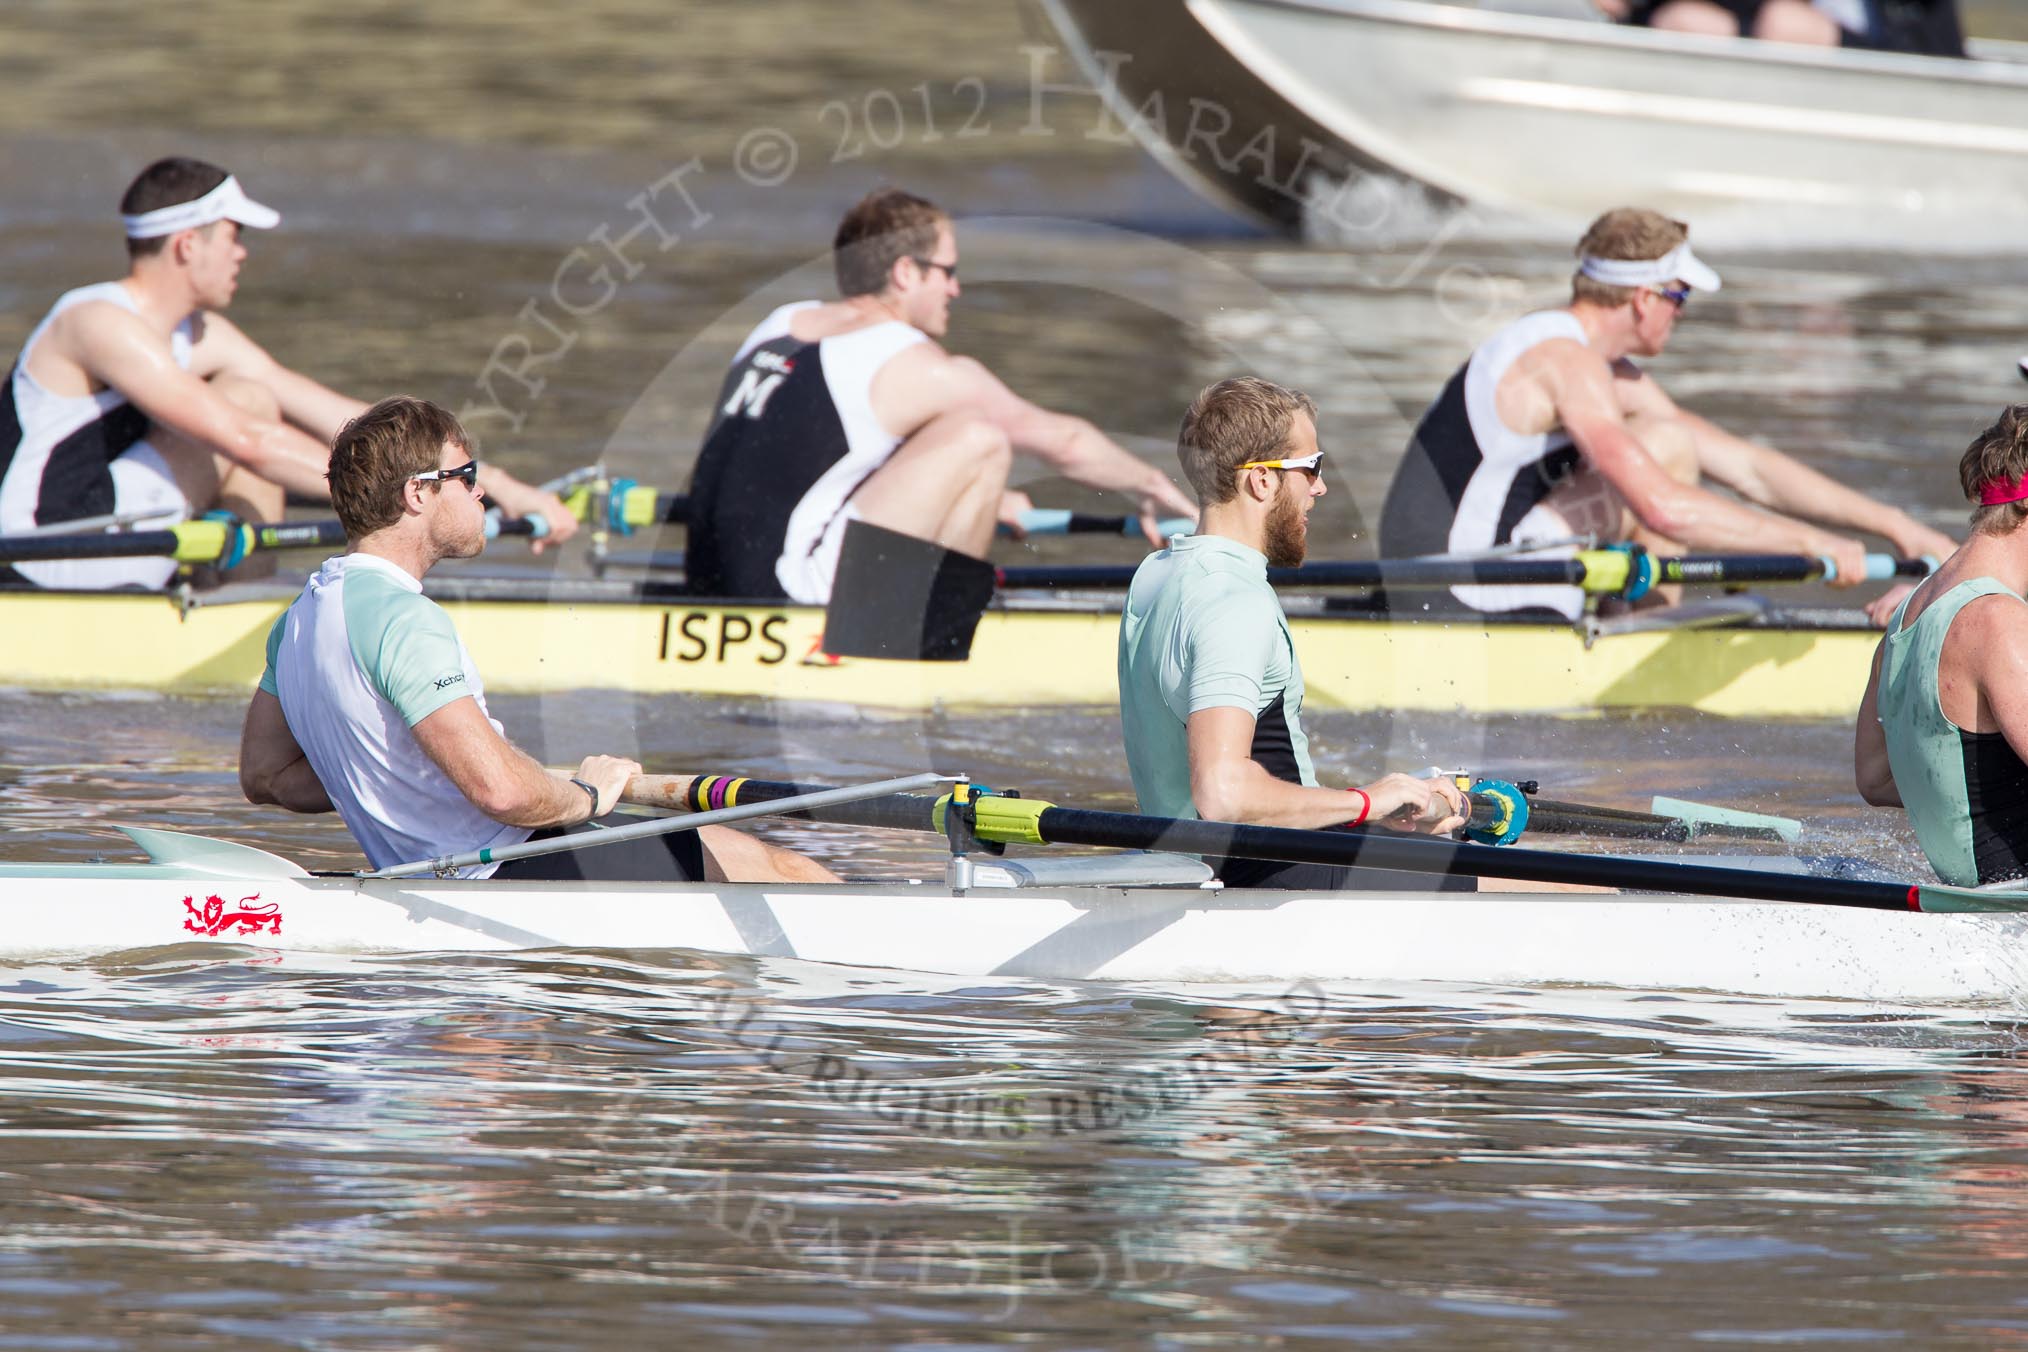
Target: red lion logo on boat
(213, 919)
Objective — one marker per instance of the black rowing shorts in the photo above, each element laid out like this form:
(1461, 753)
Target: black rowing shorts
(673, 857)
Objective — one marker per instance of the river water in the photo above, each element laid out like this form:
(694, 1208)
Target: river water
(601, 1150)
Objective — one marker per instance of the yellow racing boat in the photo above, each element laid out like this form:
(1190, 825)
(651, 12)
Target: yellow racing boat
(1737, 656)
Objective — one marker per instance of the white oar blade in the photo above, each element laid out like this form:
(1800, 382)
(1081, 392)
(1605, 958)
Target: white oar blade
(1703, 814)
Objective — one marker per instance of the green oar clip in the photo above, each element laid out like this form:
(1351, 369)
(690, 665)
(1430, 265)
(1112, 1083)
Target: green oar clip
(999, 819)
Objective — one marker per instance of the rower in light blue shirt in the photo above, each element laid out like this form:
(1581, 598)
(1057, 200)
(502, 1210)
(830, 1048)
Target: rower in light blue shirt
(1211, 691)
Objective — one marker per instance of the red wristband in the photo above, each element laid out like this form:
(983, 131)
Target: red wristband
(1365, 806)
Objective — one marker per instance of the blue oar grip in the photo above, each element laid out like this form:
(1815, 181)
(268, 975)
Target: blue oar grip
(1881, 567)
(1046, 520)
(1930, 563)
(1830, 567)
(535, 527)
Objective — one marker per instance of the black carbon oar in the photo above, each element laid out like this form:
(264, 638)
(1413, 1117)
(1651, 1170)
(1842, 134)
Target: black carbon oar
(205, 540)
(1501, 812)
(631, 506)
(1009, 820)
(1608, 572)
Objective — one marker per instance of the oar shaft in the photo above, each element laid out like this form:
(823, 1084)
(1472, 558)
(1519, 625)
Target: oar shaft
(1045, 823)
(1732, 569)
(1601, 571)
(1386, 850)
(706, 793)
(139, 544)
(1492, 813)
(816, 798)
(206, 540)
(637, 507)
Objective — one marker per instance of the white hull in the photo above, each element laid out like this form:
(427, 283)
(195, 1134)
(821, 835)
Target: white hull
(1147, 934)
(1552, 118)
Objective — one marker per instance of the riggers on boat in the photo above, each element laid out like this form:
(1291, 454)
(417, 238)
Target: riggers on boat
(1737, 656)
(1133, 919)
(1130, 916)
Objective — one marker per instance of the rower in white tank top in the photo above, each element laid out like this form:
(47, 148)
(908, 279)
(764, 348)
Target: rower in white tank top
(70, 457)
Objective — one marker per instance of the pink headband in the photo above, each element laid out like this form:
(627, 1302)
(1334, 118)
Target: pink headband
(1997, 491)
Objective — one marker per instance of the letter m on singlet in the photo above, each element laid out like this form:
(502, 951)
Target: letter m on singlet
(755, 389)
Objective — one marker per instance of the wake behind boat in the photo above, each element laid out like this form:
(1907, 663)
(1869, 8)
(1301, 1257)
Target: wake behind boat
(1291, 111)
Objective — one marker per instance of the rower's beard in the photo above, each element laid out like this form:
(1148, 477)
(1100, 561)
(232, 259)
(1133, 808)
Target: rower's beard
(1287, 534)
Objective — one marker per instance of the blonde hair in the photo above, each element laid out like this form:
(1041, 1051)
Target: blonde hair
(1626, 233)
(1998, 454)
(1228, 424)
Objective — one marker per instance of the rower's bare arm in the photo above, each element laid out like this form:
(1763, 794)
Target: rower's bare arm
(272, 767)
(1070, 445)
(515, 497)
(315, 408)
(505, 782)
(1871, 771)
(1784, 484)
(118, 351)
(1590, 409)
(1227, 784)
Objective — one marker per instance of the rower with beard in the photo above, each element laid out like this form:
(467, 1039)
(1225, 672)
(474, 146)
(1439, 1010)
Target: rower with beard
(1211, 691)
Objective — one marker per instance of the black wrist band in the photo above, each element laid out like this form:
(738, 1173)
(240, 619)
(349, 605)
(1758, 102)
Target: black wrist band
(591, 792)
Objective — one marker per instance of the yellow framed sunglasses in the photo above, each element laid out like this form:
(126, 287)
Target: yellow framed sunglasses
(1314, 463)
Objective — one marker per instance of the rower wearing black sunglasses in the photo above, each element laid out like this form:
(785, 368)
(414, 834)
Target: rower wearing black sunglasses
(1550, 434)
(370, 706)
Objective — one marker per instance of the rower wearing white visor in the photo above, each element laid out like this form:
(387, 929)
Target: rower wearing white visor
(1550, 433)
(137, 401)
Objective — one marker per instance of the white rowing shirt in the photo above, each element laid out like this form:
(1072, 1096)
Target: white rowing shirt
(793, 436)
(357, 660)
(1469, 482)
(68, 457)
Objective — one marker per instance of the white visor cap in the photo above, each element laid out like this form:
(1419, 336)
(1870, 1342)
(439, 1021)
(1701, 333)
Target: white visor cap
(1679, 262)
(226, 202)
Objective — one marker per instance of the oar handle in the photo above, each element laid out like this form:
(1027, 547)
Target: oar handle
(1062, 521)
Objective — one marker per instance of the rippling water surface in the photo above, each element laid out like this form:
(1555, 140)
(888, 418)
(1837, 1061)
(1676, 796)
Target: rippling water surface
(590, 1150)
(610, 1150)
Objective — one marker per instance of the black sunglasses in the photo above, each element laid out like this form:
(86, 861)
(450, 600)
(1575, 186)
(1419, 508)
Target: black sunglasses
(466, 474)
(950, 269)
(1681, 297)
